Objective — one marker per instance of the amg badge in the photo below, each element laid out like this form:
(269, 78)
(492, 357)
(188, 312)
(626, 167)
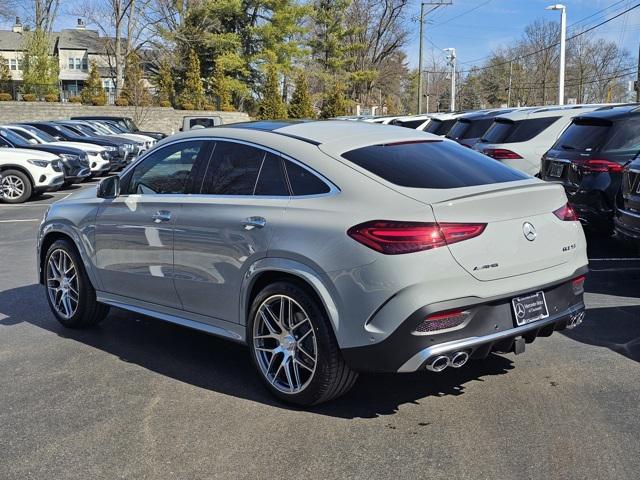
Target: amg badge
(485, 267)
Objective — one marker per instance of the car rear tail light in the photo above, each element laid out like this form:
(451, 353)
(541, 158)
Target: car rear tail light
(501, 154)
(393, 238)
(566, 213)
(598, 166)
(442, 321)
(578, 284)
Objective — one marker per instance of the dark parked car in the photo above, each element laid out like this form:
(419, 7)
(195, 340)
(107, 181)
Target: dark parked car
(627, 215)
(126, 122)
(121, 150)
(470, 128)
(75, 163)
(589, 159)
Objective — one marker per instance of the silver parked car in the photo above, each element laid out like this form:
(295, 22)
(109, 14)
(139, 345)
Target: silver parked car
(329, 248)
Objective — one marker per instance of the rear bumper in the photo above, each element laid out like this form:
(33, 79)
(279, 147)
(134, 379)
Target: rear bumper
(627, 224)
(491, 327)
(592, 208)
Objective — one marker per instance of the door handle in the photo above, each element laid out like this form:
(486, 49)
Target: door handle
(254, 222)
(161, 216)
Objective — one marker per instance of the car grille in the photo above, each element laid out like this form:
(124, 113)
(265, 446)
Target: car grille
(631, 182)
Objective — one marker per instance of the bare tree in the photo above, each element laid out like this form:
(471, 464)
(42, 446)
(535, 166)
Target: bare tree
(40, 13)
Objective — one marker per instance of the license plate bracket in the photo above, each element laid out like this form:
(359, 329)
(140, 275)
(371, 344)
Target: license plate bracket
(556, 169)
(530, 308)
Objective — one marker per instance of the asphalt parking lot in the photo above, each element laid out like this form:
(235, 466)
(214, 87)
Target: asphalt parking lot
(138, 398)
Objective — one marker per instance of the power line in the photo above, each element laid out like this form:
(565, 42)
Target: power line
(462, 14)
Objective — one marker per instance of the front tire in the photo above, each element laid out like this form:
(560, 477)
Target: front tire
(70, 294)
(293, 347)
(15, 187)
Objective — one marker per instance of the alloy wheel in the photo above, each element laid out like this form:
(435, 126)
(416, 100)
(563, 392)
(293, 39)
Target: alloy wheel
(12, 187)
(285, 344)
(62, 283)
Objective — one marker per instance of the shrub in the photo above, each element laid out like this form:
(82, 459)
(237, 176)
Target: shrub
(5, 97)
(209, 106)
(187, 106)
(122, 102)
(165, 103)
(75, 99)
(52, 97)
(29, 97)
(98, 101)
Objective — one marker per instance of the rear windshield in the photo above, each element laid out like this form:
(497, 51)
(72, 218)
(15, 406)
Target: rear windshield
(433, 164)
(583, 136)
(625, 137)
(465, 128)
(439, 127)
(508, 131)
(459, 129)
(408, 123)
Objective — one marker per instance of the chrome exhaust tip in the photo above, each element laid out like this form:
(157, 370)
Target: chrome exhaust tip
(575, 320)
(439, 363)
(459, 359)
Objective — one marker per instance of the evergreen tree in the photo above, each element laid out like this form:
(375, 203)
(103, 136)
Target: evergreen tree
(5, 76)
(224, 83)
(334, 104)
(40, 68)
(92, 92)
(272, 106)
(135, 90)
(165, 89)
(192, 90)
(300, 106)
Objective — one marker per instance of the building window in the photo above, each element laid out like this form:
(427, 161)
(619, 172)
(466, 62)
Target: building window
(71, 64)
(77, 64)
(85, 65)
(13, 64)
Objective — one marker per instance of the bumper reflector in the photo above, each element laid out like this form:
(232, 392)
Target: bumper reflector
(443, 321)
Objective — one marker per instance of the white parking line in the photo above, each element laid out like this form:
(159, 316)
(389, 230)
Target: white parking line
(24, 205)
(614, 259)
(21, 220)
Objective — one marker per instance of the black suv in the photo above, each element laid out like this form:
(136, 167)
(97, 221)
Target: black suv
(589, 159)
(627, 215)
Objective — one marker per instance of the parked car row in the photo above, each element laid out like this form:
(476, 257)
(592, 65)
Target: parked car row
(40, 156)
(591, 149)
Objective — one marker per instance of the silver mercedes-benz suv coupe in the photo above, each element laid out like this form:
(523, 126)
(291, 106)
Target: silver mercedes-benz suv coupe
(329, 248)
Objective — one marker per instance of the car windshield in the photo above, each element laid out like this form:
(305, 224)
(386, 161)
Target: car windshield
(431, 164)
(116, 127)
(44, 136)
(130, 124)
(101, 129)
(13, 138)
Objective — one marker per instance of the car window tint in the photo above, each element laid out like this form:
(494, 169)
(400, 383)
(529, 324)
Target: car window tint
(625, 137)
(499, 131)
(527, 129)
(583, 136)
(167, 170)
(271, 180)
(440, 127)
(432, 164)
(477, 128)
(234, 169)
(459, 129)
(408, 123)
(304, 182)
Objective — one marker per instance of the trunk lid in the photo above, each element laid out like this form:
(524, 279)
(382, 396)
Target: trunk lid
(511, 214)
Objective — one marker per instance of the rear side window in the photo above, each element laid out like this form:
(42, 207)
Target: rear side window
(303, 182)
(625, 137)
(234, 169)
(583, 136)
(409, 123)
(477, 128)
(432, 164)
(271, 179)
(439, 127)
(459, 129)
(508, 131)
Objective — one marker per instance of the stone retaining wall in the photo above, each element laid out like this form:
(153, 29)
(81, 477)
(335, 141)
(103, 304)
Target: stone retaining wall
(158, 119)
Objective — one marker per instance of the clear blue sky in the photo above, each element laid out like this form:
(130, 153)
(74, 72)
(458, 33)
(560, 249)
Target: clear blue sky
(475, 27)
(498, 22)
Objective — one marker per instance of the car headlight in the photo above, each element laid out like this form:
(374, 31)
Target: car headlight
(69, 156)
(39, 163)
(111, 149)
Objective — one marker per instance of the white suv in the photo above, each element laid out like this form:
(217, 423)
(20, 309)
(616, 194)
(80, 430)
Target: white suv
(28, 172)
(520, 138)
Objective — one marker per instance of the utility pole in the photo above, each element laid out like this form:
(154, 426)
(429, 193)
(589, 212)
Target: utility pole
(435, 4)
(452, 62)
(638, 79)
(510, 74)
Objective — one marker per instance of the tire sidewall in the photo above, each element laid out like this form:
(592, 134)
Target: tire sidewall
(84, 285)
(321, 328)
(28, 188)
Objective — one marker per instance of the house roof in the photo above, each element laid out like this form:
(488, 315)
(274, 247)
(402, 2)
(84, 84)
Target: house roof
(12, 41)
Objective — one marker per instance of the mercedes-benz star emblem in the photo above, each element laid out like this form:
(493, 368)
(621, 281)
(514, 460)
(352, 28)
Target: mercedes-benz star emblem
(529, 231)
(519, 310)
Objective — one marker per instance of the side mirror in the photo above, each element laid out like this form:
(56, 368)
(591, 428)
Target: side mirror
(32, 141)
(109, 187)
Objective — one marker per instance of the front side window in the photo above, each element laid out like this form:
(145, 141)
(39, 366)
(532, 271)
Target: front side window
(168, 170)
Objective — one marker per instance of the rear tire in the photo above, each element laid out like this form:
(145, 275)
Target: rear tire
(70, 295)
(16, 187)
(294, 348)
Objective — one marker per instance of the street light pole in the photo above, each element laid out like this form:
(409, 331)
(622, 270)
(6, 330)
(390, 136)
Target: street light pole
(563, 41)
(452, 62)
(420, 58)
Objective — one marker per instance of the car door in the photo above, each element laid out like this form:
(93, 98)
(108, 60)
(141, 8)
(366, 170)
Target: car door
(134, 232)
(226, 228)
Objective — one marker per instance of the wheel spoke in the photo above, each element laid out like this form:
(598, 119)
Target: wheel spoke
(296, 372)
(305, 335)
(275, 375)
(287, 372)
(302, 364)
(301, 322)
(273, 317)
(306, 353)
(267, 323)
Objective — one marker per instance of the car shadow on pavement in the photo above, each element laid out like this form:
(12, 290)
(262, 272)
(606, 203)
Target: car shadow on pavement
(218, 365)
